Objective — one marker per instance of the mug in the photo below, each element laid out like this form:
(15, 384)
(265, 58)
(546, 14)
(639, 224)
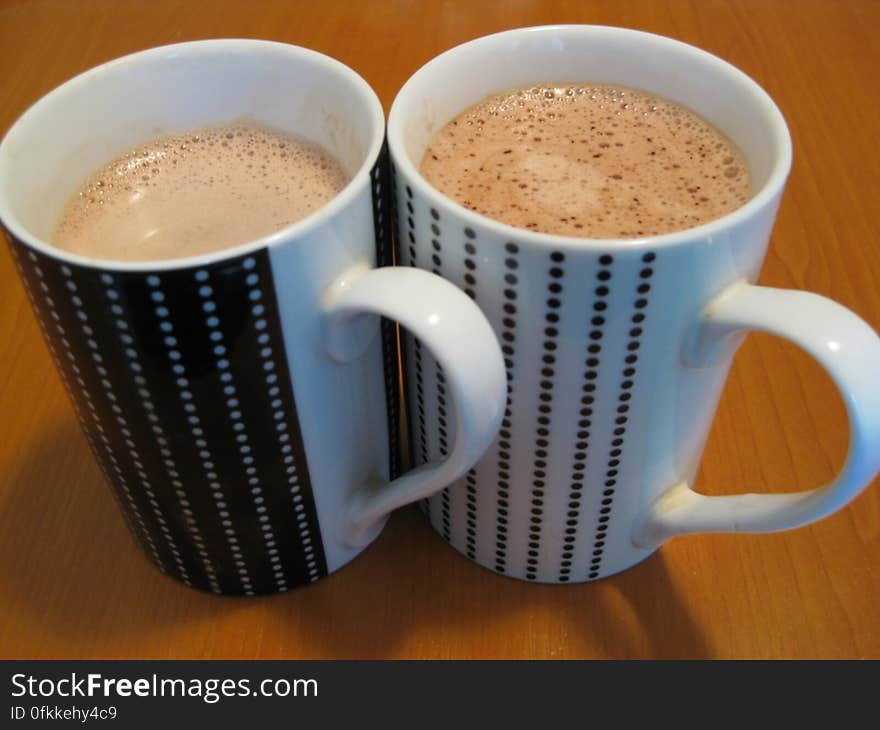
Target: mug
(616, 351)
(242, 404)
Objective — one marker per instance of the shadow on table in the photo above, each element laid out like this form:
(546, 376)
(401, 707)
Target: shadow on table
(72, 580)
(68, 567)
(415, 596)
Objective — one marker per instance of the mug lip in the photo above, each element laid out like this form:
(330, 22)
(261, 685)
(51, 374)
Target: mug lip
(288, 234)
(768, 192)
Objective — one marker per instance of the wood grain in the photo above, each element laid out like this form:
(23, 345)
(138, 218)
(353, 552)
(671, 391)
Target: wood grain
(73, 585)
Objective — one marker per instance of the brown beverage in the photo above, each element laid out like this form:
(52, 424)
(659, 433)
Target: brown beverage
(205, 190)
(589, 161)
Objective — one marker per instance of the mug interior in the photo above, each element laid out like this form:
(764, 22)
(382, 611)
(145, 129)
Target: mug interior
(716, 90)
(105, 111)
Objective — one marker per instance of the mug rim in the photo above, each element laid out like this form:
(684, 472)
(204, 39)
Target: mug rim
(298, 229)
(768, 192)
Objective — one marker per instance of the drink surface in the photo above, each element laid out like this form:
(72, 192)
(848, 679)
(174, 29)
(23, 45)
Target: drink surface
(590, 161)
(188, 194)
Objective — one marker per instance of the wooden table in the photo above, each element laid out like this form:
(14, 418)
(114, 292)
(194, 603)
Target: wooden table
(73, 585)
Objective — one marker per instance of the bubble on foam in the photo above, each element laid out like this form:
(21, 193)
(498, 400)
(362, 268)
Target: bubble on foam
(630, 159)
(198, 191)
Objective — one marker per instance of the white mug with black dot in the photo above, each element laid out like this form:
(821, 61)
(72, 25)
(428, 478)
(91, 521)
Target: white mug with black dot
(242, 404)
(616, 350)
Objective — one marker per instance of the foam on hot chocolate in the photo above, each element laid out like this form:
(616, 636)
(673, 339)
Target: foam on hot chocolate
(589, 161)
(206, 190)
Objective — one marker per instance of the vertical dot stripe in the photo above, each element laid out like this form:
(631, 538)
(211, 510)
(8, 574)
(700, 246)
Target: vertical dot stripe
(206, 457)
(392, 212)
(401, 257)
(543, 502)
(470, 287)
(122, 422)
(85, 392)
(444, 450)
(508, 348)
(283, 423)
(385, 256)
(420, 406)
(420, 399)
(145, 357)
(470, 481)
(243, 444)
(160, 437)
(278, 450)
(585, 413)
(66, 368)
(392, 394)
(383, 252)
(420, 449)
(624, 395)
(134, 520)
(411, 228)
(545, 409)
(442, 423)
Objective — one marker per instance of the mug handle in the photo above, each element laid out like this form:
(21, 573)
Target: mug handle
(463, 343)
(845, 346)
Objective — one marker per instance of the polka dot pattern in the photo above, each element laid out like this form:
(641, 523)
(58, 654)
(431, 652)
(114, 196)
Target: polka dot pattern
(442, 424)
(541, 503)
(545, 409)
(159, 434)
(180, 381)
(386, 255)
(508, 348)
(33, 271)
(587, 400)
(628, 374)
(470, 284)
(417, 414)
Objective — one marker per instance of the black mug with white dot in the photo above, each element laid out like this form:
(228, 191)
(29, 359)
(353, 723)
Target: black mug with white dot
(243, 404)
